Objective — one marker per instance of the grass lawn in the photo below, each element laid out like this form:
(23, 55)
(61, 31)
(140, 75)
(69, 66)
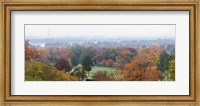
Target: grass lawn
(100, 68)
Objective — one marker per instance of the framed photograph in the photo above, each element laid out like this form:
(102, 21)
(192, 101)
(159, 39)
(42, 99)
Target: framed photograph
(100, 52)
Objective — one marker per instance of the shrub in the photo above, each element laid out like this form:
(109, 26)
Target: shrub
(64, 76)
(141, 75)
(116, 75)
(80, 72)
(30, 78)
(102, 76)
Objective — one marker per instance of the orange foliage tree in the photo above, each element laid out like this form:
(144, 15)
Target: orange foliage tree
(143, 66)
(148, 57)
(133, 72)
(122, 59)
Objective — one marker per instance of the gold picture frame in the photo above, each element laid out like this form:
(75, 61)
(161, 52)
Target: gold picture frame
(156, 5)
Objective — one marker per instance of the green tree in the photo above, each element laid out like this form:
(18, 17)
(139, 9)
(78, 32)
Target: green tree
(39, 71)
(172, 70)
(87, 63)
(170, 74)
(76, 54)
(163, 62)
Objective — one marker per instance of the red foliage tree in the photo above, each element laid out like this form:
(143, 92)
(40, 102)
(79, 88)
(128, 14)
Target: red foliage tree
(63, 53)
(103, 62)
(102, 76)
(63, 64)
(109, 63)
(29, 52)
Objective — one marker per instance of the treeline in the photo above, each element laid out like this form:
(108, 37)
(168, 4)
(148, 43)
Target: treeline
(74, 63)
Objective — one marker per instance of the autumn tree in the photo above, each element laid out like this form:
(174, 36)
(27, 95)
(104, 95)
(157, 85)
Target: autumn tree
(147, 58)
(154, 52)
(102, 62)
(98, 58)
(44, 56)
(133, 72)
(123, 58)
(63, 64)
(142, 67)
(109, 63)
(142, 60)
(152, 75)
(63, 53)
(51, 53)
(30, 53)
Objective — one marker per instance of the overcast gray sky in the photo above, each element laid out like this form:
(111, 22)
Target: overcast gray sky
(101, 31)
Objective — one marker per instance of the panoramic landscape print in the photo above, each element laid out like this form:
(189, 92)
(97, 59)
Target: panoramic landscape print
(99, 52)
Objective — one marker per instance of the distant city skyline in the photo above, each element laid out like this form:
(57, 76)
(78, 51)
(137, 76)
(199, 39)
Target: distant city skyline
(114, 32)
